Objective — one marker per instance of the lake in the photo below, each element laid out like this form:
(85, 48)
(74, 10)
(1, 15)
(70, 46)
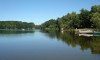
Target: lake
(48, 45)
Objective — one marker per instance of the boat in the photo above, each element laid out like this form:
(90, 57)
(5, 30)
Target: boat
(85, 31)
(96, 33)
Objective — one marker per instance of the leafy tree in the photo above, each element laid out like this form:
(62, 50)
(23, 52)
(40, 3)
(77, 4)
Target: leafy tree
(96, 20)
(85, 18)
(73, 20)
(16, 25)
(95, 8)
(51, 24)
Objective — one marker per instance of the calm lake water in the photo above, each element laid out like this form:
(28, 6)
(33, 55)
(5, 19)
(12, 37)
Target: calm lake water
(48, 45)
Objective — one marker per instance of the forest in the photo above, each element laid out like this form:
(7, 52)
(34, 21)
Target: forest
(84, 19)
(16, 25)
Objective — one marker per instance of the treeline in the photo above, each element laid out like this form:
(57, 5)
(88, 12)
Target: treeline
(85, 19)
(16, 25)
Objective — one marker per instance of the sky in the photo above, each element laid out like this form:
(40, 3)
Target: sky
(39, 11)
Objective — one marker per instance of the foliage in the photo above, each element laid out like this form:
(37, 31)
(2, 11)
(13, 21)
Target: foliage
(95, 8)
(96, 20)
(85, 19)
(16, 25)
(51, 24)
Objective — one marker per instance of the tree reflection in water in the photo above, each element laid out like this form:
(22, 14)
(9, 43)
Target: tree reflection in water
(92, 43)
(14, 31)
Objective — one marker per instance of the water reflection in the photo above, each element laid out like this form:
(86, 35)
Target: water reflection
(91, 42)
(88, 35)
(14, 32)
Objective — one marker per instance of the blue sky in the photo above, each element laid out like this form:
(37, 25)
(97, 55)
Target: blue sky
(39, 11)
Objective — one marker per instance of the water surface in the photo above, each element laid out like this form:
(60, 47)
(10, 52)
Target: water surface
(48, 45)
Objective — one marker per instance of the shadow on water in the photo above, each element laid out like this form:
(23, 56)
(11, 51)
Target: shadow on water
(92, 42)
(14, 32)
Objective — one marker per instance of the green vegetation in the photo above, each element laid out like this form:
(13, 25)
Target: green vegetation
(16, 25)
(85, 19)
(51, 24)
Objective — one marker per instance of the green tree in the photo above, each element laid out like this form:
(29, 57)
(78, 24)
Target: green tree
(85, 18)
(73, 20)
(95, 8)
(96, 20)
(16, 25)
(51, 24)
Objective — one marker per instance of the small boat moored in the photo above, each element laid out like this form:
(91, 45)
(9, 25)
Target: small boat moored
(96, 33)
(85, 31)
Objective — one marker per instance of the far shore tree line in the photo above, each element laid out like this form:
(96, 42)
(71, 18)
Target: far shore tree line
(85, 19)
(16, 25)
